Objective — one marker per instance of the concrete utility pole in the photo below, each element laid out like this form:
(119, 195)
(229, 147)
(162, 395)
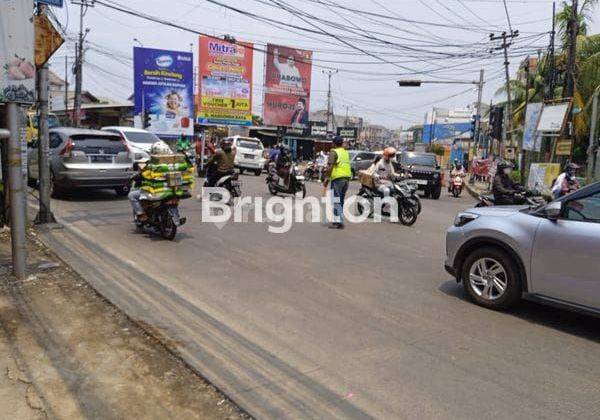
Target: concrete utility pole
(17, 196)
(591, 162)
(83, 7)
(508, 114)
(329, 73)
(551, 79)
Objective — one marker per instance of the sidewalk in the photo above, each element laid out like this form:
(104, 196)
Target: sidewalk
(67, 353)
(477, 188)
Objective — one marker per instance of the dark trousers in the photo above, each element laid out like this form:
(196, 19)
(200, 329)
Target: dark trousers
(339, 188)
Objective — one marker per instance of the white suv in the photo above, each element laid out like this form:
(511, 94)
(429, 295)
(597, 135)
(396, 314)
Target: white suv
(249, 154)
(139, 141)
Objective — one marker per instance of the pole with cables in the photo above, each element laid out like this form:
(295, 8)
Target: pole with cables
(508, 114)
(83, 7)
(329, 73)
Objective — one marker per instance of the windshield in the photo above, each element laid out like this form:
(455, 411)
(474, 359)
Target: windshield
(141, 137)
(250, 144)
(352, 154)
(420, 160)
(52, 121)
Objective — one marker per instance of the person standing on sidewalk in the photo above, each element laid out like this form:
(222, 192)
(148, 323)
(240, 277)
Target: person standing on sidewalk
(339, 173)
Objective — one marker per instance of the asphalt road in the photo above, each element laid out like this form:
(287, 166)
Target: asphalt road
(315, 323)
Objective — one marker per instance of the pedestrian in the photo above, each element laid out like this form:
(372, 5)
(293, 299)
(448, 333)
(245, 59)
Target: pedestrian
(339, 173)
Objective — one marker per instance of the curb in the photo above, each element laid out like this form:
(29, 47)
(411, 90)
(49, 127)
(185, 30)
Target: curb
(472, 191)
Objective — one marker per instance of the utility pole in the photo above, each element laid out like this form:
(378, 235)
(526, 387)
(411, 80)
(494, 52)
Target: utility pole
(591, 162)
(508, 114)
(478, 110)
(573, 29)
(551, 79)
(67, 89)
(83, 7)
(329, 73)
(522, 161)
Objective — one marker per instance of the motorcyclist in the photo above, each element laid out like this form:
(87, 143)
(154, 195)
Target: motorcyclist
(566, 182)
(384, 174)
(283, 163)
(158, 148)
(222, 163)
(504, 189)
(457, 170)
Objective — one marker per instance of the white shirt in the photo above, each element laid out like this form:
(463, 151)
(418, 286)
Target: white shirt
(384, 171)
(288, 75)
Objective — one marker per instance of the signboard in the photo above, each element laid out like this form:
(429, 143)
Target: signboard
(348, 133)
(553, 117)
(164, 91)
(294, 131)
(17, 72)
(318, 129)
(225, 82)
(541, 175)
(446, 133)
(287, 86)
(55, 3)
(563, 147)
(531, 139)
(47, 40)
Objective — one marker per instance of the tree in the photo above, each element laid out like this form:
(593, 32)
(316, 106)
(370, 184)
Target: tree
(584, 17)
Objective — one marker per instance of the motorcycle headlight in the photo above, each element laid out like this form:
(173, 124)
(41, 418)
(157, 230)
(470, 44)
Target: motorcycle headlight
(462, 219)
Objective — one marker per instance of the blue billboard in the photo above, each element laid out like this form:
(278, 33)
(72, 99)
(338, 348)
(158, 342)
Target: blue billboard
(164, 91)
(446, 131)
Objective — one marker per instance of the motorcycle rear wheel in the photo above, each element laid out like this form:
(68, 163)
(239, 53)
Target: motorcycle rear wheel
(407, 215)
(168, 229)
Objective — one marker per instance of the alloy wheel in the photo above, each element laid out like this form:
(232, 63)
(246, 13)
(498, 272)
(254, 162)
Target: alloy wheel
(488, 278)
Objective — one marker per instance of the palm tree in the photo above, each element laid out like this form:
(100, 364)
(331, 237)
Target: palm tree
(584, 17)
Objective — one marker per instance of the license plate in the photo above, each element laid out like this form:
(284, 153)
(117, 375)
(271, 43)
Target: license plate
(101, 159)
(420, 181)
(174, 179)
(249, 156)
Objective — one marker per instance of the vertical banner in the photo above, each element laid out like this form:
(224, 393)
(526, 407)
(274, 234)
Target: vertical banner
(164, 91)
(532, 117)
(287, 86)
(17, 72)
(225, 71)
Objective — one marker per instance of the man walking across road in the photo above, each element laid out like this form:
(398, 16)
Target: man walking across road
(339, 173)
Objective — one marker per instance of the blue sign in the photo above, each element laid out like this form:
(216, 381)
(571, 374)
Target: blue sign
(445, 131)
(164, 91)
(55, 3)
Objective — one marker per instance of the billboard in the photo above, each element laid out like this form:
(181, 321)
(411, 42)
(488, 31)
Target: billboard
(17, 71)
(287, 86)
(164, 91)
(446, 132)
(531, 139)
(225, 71)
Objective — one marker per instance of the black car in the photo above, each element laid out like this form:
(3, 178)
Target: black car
(424, 169)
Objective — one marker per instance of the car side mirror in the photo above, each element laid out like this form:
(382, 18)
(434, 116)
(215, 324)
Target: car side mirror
(553, 210)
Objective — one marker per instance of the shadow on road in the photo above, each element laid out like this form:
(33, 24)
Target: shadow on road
(81, 195)
(570, 322)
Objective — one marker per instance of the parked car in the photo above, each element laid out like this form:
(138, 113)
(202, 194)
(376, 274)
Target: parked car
(424, 170)
(548, 253)
(360, 160)
(249, 155)
(139, 141)
(81, 158)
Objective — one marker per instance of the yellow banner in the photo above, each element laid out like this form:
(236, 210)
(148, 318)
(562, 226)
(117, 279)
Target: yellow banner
(226, 103)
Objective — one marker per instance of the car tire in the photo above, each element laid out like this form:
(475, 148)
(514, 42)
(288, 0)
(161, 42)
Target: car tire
(435, 194)
(122, 191)
(485, 289)
(242, 171)
(257, 172)
(55, 190)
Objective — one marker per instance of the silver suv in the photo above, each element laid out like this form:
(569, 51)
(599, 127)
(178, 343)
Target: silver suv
(549, 253)
(81, 158)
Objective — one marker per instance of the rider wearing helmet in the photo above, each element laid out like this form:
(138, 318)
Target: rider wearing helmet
(457, 170)
(503, 188)
(222, 163)
(283, 163)
(384, 173)
(566, 182)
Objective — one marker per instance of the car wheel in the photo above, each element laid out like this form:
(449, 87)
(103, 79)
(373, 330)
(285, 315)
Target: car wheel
(435, 194)
(55, 190)
(242, 170)
(491, 278)
(122, 191)
(258, 172)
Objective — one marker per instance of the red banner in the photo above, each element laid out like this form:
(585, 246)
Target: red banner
(287, 86)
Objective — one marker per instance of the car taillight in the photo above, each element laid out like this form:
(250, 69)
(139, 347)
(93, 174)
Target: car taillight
(66, 152)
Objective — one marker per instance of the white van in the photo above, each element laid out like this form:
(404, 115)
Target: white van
(249, 154)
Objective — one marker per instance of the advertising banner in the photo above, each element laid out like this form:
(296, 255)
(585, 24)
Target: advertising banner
(225, 82)
(164, 91)
(532, 117)
(541, 176)
(318, 129)
(47, 40)
(17, 71)
(287, 86)
(348, 133)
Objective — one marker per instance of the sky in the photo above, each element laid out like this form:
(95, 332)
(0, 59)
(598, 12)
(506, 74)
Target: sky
(372, 44)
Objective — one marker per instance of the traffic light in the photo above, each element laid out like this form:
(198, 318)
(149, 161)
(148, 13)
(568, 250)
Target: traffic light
(496, 121)
(145, 120)
(473, 126)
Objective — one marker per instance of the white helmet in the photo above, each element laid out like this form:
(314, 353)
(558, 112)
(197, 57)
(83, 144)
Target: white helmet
(160, 148)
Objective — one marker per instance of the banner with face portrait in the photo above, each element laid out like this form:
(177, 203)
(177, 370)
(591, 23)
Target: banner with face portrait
(287, 86)
(164, 91)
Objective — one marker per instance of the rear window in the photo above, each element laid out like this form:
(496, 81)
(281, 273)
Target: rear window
(249, 144)
(135, 137)
(98, 145)
(419, 160)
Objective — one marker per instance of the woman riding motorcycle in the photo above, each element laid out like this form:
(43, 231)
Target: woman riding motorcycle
(222, 163)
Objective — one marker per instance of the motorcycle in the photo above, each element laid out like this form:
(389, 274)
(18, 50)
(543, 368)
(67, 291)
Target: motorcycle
(457, 185)
(403, 192)
(531, 198)
(231, 183)
(312, 172)
(276, 184)
(413, 188)
(163, 214)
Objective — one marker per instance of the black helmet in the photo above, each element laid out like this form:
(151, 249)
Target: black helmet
(572, 167)
(503, 165)
(338, 140)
